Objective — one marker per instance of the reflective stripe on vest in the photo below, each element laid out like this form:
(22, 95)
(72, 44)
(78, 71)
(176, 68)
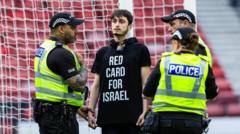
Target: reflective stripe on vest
(164, 104)
(59, 94)
(45, 77)
(168, 82)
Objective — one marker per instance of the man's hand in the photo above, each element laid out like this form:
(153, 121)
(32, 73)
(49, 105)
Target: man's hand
(80, 59)
(83, 112)
(91, 119)
(140, 120)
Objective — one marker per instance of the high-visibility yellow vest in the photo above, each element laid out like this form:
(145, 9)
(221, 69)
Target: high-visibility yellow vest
(209, 56)
(49, 85)
(182, 84)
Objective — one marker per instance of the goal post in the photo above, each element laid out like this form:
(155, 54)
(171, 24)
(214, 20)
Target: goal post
(24, 25)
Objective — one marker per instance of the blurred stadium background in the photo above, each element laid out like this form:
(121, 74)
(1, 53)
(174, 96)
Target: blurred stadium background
(24, 25)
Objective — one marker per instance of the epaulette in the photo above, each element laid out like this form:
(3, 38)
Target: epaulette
(166, 54)
(58, 44)
(203, 57)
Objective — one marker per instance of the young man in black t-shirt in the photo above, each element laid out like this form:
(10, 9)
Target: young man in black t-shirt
(121, 70)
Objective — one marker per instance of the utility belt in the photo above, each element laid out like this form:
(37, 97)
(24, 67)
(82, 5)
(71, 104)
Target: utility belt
(155, 120)
(41, 107)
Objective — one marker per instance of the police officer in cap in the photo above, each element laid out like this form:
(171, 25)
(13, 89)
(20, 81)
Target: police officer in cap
(179, 86)
(185, 18)
(60, 78)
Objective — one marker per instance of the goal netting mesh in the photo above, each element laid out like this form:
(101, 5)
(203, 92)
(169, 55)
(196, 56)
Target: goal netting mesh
(24, 25)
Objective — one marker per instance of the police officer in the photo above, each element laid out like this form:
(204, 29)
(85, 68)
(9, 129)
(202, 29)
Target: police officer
(179, 86)
(120, 69)
(60, 77)
(185, 18)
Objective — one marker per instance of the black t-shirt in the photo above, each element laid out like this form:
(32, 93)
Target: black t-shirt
(61, 61)
(153, 81)
(120, 81)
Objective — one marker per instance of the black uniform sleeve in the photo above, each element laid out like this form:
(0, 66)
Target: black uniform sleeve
(145, 56)
(62, 62)
(211, 87)
(201, 50)
(97, 62)
(152, 82)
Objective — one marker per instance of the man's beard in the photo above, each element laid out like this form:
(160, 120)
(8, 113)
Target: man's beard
(69, 39)
(121, 34)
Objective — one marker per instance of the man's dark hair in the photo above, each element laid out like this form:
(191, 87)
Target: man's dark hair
(124, 13)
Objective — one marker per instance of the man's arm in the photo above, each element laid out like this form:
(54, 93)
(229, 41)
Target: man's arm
(211, 86)
(145, 71)
(94, 95)
(78, 81)
(94, 92)
(63, 63)
(147, 102)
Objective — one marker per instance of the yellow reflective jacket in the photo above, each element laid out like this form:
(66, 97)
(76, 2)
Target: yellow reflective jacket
(182, 84)
(209, 56)
(49, 85)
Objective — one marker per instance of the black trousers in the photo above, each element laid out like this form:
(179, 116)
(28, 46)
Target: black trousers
(179, 123)
(120, 129)
(56, 119)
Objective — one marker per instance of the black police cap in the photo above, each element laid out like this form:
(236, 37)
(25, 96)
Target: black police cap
(64, 18)
(180, 14)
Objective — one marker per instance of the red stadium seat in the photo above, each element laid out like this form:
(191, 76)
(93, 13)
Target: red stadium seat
(149, 22)
(223, 84)
(138, 12)
(150, 32)
(19, 14)
(3, 50)
(174, 1)
(39, 25)
(18, 73)
(8, 3)
(159, 30)
(26, 113)
(77, 4)
(148, 3)
(100, 24)
(158, 12)
(158, 2)
(12, 61)
(226, 97)
(88, 14)
(29, 14)
(215, 110)
(148, 12)
(215, 62)
(137, 3)
(42, 16)
(88, 25)
(218, 72)
(139, 32)
(9, 13)
(32, 4)
(66, 4)
(233, 109)
(139, 23)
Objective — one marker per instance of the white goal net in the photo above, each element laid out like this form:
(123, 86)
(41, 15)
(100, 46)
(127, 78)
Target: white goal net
(24, 25)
